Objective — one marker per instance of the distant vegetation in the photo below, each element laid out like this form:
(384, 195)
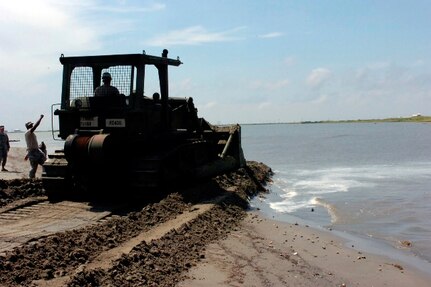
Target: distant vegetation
(413, 119)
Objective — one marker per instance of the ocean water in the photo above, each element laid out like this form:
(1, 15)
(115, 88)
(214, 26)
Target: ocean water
(367, 182)
(52, 142)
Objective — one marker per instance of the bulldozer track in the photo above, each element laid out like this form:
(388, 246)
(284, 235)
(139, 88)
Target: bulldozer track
(33, 219)
(30, 219)
(106, 259)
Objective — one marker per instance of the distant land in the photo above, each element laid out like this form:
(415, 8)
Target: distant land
(411, 119)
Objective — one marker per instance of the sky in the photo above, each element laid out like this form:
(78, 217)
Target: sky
(244, 61)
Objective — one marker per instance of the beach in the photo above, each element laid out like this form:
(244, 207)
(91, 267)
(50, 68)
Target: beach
(17, 166)
(265, 252)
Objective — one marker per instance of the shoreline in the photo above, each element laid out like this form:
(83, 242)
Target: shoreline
(267, 252)
(395, 250)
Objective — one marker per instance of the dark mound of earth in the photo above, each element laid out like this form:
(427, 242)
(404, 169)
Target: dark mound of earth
(161, 262)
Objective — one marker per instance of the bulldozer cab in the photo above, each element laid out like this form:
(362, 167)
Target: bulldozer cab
(135, 110)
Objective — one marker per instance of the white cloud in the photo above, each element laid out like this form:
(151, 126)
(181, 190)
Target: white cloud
(131, 9)
(380, 77)
(34, 34)
(209, 105)
(43, 27)
(271, 35)
(35, 13)
(194, 36)
(280, 84)
(419, 63)
(317, 77)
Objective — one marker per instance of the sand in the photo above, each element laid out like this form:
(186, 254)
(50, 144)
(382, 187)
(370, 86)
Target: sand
(17, 166)
(265, 252)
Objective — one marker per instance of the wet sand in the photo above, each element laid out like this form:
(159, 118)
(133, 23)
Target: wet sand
(265, 252)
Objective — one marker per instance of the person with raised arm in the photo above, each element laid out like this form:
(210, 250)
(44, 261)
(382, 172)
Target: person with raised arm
(34, 154)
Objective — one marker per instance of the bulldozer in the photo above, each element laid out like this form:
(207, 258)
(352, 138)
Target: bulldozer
(139, 138)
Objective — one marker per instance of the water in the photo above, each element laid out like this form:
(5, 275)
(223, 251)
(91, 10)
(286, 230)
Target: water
(369, 181)
(17, 140)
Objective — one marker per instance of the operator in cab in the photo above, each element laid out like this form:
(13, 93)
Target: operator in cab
(106, 89)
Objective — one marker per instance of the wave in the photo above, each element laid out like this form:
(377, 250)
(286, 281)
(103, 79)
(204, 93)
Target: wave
(331, 209)
(369, 191)
(289, 206)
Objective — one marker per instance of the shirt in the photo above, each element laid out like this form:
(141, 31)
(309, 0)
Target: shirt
(4, 142)
(106, 91)
(31, 140)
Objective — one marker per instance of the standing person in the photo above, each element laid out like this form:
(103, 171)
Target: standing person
(106, 89)
(34, 154)
(4, 148)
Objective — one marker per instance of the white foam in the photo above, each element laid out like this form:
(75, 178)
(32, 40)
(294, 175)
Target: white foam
(301, 189)
(289, 207)
(289, 193)
(332, 211)
(320, 186)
